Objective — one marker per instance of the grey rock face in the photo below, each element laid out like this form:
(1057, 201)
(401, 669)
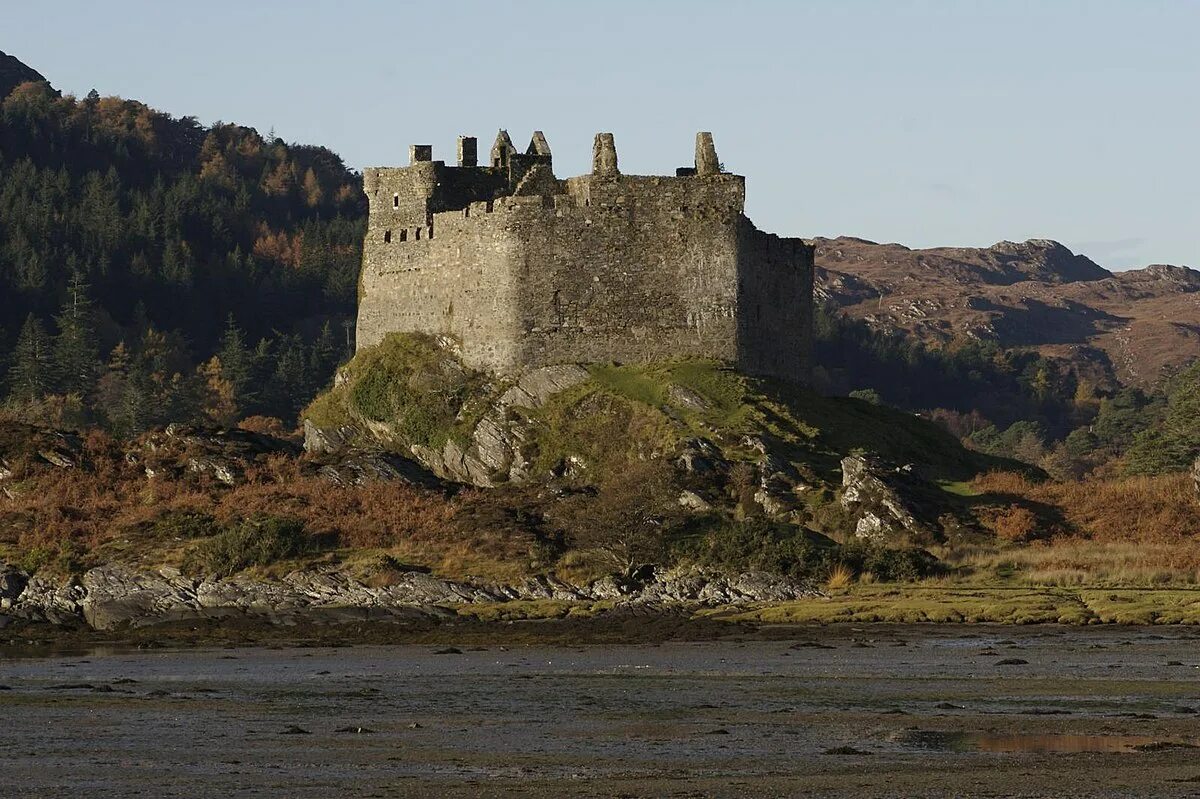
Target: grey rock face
(114, 595)
(869, 492)
(43, 600)
(534, 388)
(323, 440)
(1196, 477)
(371, 467)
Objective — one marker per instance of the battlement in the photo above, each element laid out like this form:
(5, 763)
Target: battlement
(524, 268)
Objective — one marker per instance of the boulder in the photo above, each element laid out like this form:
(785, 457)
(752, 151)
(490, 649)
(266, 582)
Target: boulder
(12, 583)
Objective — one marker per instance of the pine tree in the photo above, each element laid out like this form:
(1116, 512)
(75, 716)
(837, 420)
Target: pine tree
(289, 382)
(236, 362)
(323, 359)
(76, 354)
(31, 376)
(217, 404)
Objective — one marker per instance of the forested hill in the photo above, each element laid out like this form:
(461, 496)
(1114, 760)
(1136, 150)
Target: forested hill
(135, 247)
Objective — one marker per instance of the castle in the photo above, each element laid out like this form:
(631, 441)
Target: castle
(523, 269)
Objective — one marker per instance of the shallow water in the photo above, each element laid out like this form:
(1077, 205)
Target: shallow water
(877, 711)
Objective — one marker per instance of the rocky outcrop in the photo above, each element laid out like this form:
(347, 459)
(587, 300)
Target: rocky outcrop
(359, 468)
(1196, 477)
(223, 454)
(110, 597)
(879, 498)
(492, 452)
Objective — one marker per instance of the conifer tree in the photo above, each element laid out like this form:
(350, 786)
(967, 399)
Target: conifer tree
(31, 374)
(76, 354)
(236, 364)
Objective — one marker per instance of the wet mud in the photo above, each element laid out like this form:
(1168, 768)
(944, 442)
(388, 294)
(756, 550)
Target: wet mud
(835, 711)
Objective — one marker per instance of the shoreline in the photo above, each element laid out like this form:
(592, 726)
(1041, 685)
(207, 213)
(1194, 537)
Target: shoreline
(574, 623)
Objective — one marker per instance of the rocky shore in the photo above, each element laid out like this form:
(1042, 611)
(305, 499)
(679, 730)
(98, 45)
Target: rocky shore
(112, 597)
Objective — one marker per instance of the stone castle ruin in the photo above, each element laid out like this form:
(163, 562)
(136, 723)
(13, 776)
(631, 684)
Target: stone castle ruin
(523, 269)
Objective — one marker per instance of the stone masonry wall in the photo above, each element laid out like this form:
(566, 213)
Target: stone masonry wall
(631, 269)
(775, 290)
(460, 283)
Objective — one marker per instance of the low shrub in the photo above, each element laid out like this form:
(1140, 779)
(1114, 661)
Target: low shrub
(185, 524)
(887, 564)
(259, 541)
(762, 545)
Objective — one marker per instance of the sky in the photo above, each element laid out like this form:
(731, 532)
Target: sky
(925, 123)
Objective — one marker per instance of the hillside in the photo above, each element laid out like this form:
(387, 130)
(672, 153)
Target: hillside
(1115, 329)
(135, 247)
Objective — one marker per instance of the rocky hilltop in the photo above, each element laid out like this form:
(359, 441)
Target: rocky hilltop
(1118, 328)
(13, 73)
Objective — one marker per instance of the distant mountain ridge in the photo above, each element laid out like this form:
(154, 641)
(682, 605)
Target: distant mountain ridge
(1121, 328)
(13, 73)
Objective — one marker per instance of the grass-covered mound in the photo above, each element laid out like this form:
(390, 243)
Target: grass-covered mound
(409, 390)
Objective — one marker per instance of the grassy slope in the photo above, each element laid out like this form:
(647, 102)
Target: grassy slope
(408, 390)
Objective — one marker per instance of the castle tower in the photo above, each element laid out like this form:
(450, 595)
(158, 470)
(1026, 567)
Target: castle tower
(520, 268)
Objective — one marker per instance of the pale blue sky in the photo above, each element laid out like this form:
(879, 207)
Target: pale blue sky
(927, 123)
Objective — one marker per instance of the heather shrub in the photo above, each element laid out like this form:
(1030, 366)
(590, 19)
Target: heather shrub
(185, 524)
(758, 544)
(903, 564)
(258, 541)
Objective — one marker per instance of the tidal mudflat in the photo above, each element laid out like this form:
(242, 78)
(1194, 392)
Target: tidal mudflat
(857, 711)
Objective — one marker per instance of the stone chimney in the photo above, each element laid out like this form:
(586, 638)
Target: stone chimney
(604, 155)
(419, 152)
(706, 155)
(468, 151)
